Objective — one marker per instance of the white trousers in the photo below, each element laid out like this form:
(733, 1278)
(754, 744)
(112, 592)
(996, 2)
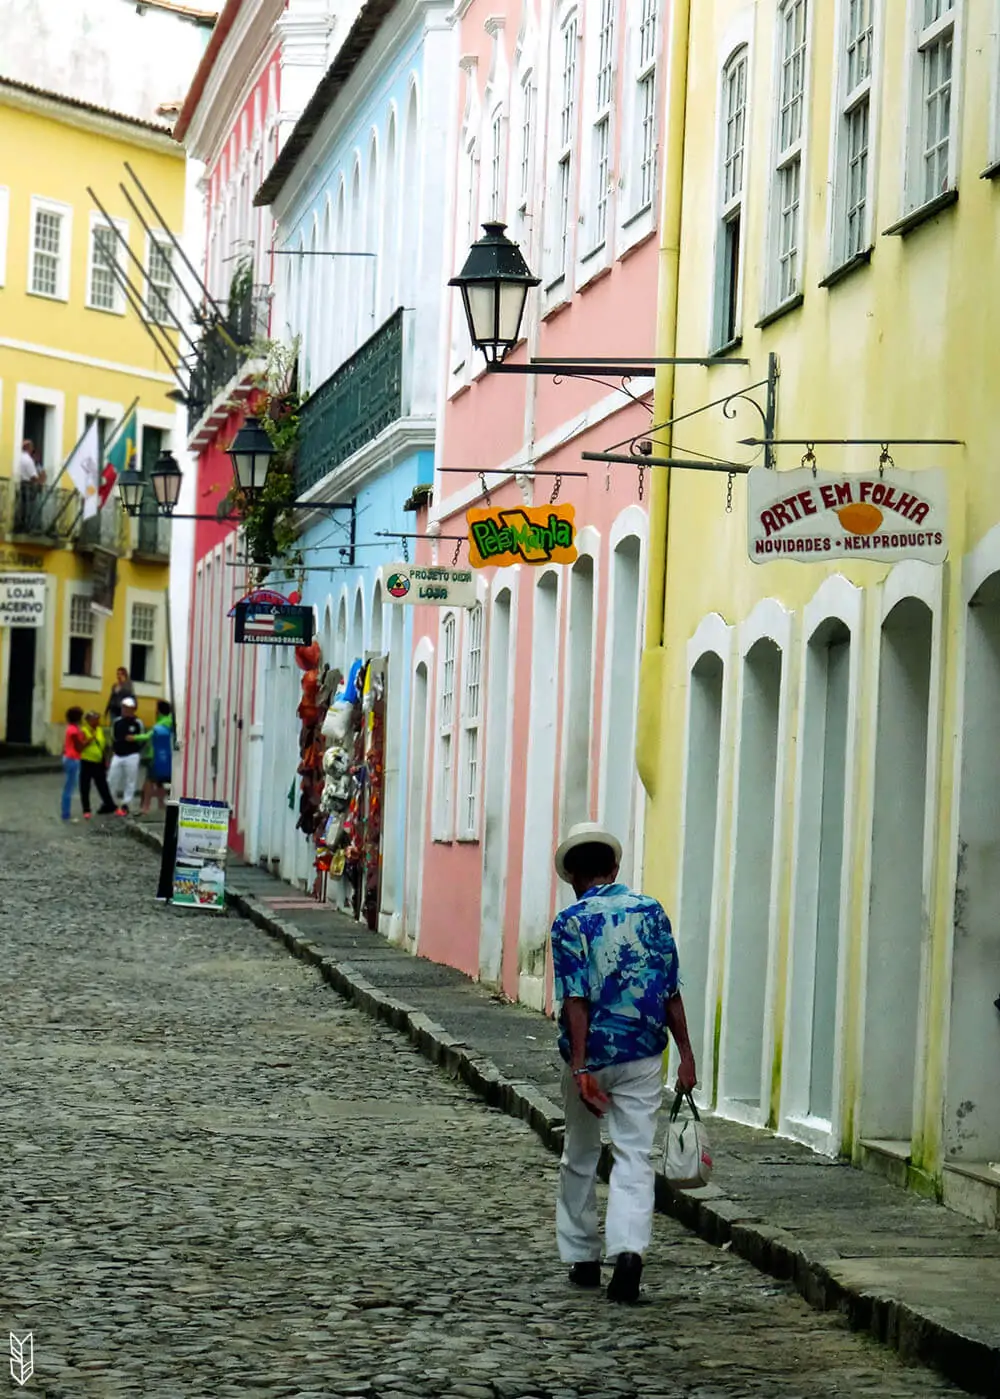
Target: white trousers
(635, 1090)
(123, 776)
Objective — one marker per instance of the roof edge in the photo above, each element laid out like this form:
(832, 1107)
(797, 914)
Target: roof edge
(220, 32)
(79, 104)
(357, 43)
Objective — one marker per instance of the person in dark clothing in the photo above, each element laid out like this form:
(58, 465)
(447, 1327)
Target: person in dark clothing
(121, 689)
(126, 741)
(92, 761)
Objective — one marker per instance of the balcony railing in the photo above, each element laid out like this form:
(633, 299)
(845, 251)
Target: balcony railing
(34, 512)
(358, 401)
(108, 529)
(224, 346)
(151, 539)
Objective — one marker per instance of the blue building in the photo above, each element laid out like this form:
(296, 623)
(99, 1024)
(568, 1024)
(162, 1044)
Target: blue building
(357, 193)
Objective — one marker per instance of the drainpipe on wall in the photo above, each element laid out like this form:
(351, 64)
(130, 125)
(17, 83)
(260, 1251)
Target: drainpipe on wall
(649, 720)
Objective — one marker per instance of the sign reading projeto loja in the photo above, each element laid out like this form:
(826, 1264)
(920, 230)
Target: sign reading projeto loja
(535, 534)
(818, 518)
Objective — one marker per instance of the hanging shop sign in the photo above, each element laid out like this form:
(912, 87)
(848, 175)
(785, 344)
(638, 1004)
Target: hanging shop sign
(805, 517)
(438, 587)
(258, 597)
(199, 878)
(535, 534)
(265, 624)
(22, 600)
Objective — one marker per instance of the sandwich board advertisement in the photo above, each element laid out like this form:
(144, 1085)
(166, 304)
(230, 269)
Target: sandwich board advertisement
(199, 860)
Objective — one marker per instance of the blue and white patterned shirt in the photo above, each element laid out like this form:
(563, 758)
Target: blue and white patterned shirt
(614, 949)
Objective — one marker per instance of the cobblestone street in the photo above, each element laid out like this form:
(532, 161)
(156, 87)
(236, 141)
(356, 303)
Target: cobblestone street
(219, 1180)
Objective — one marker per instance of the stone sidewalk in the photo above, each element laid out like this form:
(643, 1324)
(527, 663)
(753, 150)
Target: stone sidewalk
(915, 1275)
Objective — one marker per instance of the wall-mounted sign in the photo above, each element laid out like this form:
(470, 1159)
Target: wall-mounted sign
(22, 600)
(199, 875)
(261, 595)
(423, 585)
(796, 515)
(535, 534)
(264, 624)
(20, 561)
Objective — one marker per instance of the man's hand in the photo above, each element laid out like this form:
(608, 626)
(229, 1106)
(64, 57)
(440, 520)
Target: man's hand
(592, 1095)
(687, 1074)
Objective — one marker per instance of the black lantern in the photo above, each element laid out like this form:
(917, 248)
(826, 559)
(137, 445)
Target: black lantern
(166, 478)
(131, 488)
(494, 284)
(251, 453)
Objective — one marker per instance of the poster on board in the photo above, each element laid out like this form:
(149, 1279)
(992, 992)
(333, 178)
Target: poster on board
(200, 862)
(423, 584)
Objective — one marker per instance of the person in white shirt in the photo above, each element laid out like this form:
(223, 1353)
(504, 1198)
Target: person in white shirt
(27, 467)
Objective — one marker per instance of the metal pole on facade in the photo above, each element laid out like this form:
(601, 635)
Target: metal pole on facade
(163, 224)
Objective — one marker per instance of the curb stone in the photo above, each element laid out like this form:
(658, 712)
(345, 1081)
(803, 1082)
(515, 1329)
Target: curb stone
(916, 1337)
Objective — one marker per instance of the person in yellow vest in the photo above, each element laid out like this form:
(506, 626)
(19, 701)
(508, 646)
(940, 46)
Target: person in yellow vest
(93, 758)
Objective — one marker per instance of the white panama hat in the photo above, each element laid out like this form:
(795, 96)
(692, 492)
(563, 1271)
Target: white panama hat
(585, 833)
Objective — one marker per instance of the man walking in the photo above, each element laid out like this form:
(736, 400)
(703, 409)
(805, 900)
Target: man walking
(616, 978)
(123, 775)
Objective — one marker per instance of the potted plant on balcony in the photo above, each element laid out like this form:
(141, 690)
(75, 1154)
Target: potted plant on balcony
(268, 525)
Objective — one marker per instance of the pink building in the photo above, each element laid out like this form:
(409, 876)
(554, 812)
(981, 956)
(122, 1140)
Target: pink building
(523, 713)
(262, 53)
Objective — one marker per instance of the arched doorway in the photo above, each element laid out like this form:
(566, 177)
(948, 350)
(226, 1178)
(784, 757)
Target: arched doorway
(896, 913)
(497, 786)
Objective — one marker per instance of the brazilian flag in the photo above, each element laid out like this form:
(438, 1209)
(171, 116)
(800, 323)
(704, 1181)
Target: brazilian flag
(121, 457)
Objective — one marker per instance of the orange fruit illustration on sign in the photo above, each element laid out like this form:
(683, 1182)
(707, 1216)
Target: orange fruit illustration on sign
(860, 518)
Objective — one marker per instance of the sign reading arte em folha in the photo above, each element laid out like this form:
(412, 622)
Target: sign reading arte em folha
(535, 534)
(427, 584)
(805, 517)
(22, 600)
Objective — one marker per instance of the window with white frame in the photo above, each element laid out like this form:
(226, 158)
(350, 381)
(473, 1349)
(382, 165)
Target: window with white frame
(644, 160)
(932, 158)
(103, 290)
(565, 140)
(851, 207)
(446, 727)
(786, 221)
(50, 227)
(471, 709)
(495, 209)
(525, 169)
(142, 643)
(80, 658)
(601, 129)
(730, 234)
(159, 280)
(4, 211)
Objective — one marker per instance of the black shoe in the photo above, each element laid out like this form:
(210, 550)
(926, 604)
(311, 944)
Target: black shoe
(624, 1284)
(585, 1274)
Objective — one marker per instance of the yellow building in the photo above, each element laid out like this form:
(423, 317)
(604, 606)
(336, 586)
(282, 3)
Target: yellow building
(820, 742)
(72, 350)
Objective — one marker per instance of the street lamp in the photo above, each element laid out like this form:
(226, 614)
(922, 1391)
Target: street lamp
(494, 284)
(131, 485)
(166, 478)
(251, 452)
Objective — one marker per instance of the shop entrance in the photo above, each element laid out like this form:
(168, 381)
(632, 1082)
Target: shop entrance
(497, 787)
(896, 910)
(809, 1094)
(416, 808)
(972, 1112)
(743, 1021)
(21, 684)
(539, 814)
(694, 922)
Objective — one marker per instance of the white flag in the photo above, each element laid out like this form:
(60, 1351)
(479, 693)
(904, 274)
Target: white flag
(83, 469)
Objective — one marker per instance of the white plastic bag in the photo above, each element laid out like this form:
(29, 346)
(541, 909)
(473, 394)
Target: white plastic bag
(687, 1153)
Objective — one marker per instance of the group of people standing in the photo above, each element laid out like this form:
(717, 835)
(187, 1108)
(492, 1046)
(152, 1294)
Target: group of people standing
(88, 746)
